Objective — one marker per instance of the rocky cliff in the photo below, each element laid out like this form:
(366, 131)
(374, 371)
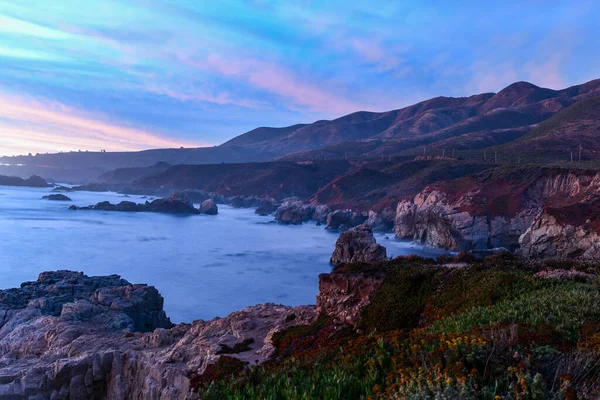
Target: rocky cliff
(495, 208)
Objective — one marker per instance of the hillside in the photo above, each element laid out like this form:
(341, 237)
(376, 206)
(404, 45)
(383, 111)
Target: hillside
(574, 127)
(435, 125)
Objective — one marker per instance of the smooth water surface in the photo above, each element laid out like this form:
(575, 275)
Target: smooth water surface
(204, 266)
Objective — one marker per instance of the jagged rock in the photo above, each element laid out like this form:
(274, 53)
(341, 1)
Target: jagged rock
(57, 197)
(431, 220)
(70, 336)
(358, 245)
(209, 207)
(494, 210)
(546, 237)
(343, 296)
(344, 219)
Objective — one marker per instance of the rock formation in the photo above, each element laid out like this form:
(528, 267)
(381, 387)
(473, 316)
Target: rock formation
(70, 336)
(494, 209)
(174, 204)
(57, 197)
(358, 245)
(344, 219)
(546, 237)
(209, 207)
(343, 296)
(294, 212)
(32, 181)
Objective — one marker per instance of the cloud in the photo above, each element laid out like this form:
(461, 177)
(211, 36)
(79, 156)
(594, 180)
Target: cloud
(279, 81)
(374, 53)
(546, 73)
(51, 126)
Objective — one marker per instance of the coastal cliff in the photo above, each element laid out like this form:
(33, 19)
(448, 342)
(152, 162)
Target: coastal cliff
(512, 209)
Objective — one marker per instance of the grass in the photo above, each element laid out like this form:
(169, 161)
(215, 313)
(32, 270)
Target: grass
(492, 330)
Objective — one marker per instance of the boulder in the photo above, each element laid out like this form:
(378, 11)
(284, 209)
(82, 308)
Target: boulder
(57, 197)
(358, 245)
(209, 207)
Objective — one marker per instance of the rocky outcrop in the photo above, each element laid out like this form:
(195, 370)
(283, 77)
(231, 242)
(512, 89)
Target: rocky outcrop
(546, 237)
(174, 204)
(294, 213)
(344, 219)
(431, 220)
(57, 197)
(32, 181)
(70, 336)
(178, 197)
(209, 207)
(358, 245)
(343, 296)
(493, 210)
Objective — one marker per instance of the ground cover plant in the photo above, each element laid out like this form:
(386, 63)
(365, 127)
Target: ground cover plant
(501, 328)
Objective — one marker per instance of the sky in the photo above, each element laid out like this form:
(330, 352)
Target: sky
(138, 74)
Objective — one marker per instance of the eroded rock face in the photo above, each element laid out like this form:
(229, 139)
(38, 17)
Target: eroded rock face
(209, 207)
(546, 237)
(69, 336)
(343, 296)
(358, 245)
(493, 210)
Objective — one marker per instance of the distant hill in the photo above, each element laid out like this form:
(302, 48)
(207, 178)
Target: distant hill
(437, 125)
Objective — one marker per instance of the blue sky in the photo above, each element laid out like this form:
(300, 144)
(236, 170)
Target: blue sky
(130, 75)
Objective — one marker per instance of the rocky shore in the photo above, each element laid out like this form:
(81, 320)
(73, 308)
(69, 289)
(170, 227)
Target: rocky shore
(70, 336)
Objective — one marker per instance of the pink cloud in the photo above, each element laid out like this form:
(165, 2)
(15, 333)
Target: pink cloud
(51, 126)
(546, 73)
(280, 81)
(374, 53)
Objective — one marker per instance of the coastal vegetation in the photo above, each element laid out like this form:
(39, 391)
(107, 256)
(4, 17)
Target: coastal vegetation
(501, 328)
